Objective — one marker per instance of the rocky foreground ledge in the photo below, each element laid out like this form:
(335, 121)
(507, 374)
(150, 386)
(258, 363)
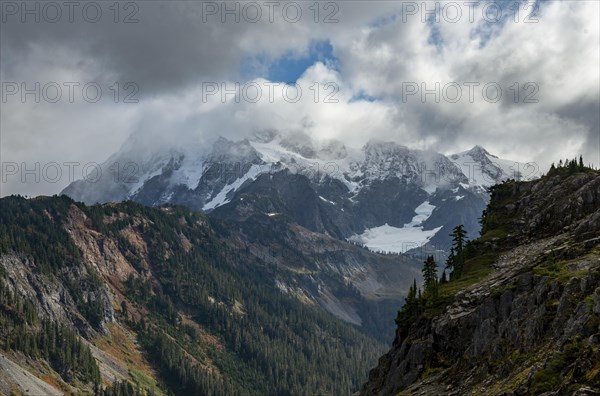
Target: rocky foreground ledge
(527, 324)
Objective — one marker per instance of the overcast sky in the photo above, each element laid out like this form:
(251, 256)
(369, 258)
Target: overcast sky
(521, 79)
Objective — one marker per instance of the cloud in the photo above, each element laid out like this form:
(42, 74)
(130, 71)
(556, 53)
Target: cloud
(558, 54)
(176, 52)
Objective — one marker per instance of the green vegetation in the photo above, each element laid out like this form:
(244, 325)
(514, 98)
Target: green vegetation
(416, 301)
(569, 167)
(273, 343)
(467, 265)
(476, 268)
(184, 375)
(143, 381)
(551, 375)
(496, 222)
(124, 388)
(35, 228)
(470, 262)
(556, 269)
(209, 316)
(430, 280)
(456, 260)
(21, 330)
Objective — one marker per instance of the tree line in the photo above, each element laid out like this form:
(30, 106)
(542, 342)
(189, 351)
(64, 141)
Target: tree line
(417, 299)
(569, 166)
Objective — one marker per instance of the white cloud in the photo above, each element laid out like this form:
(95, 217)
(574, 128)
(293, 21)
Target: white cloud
(170, 53)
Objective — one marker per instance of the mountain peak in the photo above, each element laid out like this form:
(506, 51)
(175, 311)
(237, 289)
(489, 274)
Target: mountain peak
(478, 150)
(333, 149)
(299, 143)
(384, 147)
(225, 150)
(265, 136)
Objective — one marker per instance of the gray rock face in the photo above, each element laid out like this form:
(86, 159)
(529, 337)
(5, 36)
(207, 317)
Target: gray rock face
(478, 333)
(53, 298)
(536, 316)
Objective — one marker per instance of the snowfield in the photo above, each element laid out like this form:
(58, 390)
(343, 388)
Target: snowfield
(388, 239)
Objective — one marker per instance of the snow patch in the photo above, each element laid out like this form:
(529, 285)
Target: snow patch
(390, 239)
(423, 212)
(221, 197)
(326, 200)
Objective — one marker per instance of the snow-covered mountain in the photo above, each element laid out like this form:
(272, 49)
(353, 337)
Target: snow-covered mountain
(484, 169)
(384, 195)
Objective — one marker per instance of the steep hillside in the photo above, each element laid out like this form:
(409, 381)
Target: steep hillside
(350, 282)
(122, 297)
(524, 317)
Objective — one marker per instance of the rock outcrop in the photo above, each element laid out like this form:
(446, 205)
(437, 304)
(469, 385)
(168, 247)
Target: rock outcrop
(532, 324)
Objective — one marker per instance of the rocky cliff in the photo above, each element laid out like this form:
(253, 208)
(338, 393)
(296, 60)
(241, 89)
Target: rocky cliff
(525, 316)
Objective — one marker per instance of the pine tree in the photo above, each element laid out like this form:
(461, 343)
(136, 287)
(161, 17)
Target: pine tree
(451, 260)
(457, 255)
(430, 282)
(411, 298)
(443, 279)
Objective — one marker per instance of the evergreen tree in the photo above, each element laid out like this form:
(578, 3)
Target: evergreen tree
(451, 260)
(457, 255)
(411, 298)
(443, 279)
(430, 281)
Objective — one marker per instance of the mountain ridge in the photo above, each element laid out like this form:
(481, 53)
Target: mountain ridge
(173, 301)
(353, 190)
